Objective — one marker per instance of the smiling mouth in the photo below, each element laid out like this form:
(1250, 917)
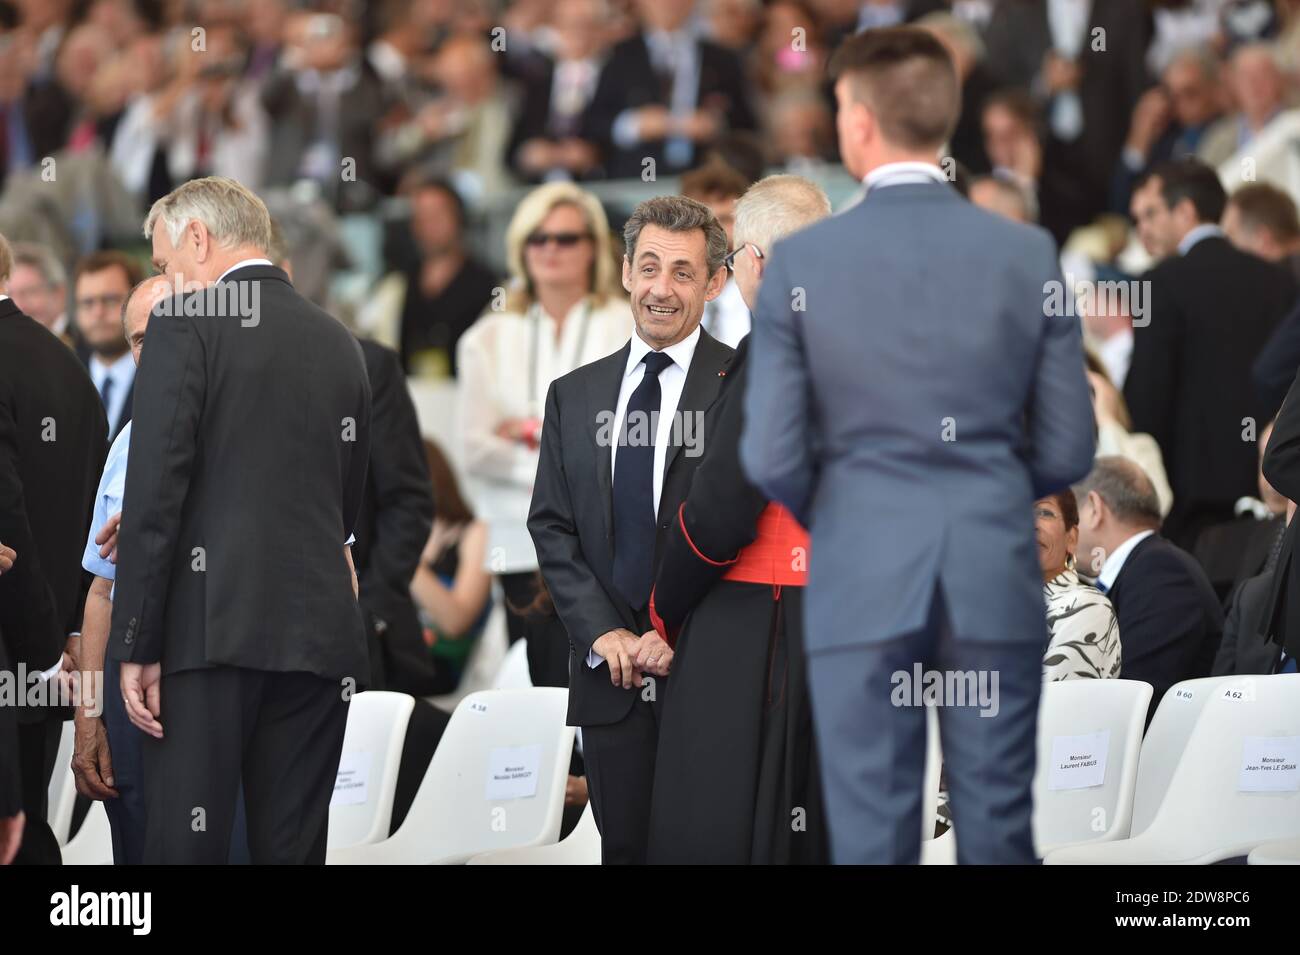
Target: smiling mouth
(660, 309)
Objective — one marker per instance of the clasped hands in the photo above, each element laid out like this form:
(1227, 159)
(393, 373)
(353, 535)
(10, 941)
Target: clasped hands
(629, 657)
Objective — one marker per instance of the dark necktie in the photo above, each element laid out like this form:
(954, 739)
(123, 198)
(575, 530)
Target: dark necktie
(634, 489)
(106, 392)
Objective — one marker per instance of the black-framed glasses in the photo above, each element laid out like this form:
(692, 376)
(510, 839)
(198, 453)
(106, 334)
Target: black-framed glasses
(730, 260)
(565, 240)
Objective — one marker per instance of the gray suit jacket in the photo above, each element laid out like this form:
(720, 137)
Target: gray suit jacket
(908, 400)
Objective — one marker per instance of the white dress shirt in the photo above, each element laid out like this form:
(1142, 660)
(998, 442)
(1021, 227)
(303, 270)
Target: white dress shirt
(903, 173)
(1116, 354)
(1194, 235)
(671, 381)
(727, 317)
(1115, 560)
(122, 374)
(241, 263)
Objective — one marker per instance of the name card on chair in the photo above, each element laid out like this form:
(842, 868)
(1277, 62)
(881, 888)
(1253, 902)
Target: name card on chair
(352, 780)
(1270, 764)
(513, 771)
(1079, 762)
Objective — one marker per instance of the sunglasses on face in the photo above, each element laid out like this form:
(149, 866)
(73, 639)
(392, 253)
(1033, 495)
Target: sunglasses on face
(730, 260)
(564, 240)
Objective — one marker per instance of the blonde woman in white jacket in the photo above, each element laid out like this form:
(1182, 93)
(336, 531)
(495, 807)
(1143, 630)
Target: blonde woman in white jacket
(564, 309)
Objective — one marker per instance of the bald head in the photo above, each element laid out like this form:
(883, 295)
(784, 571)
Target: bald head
(138, 306)
(771, 209)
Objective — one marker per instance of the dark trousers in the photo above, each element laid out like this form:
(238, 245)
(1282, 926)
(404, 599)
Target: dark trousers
(620, 763)
(126, 813)
(280, 733)
(871, 740)
(38, 747)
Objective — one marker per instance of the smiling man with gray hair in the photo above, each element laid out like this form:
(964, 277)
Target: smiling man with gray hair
(235, 596)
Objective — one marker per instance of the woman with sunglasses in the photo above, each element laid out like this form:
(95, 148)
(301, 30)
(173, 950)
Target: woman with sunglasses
(562, 310)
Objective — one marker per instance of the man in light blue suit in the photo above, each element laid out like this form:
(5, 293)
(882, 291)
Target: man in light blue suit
(914, 389)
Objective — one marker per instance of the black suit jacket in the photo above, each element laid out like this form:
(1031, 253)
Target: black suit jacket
(628, 81)
(1246, 647)
(1278, 361)
(393, 526)
(52, 449)
(248, 460)
(1169, 618)
(1189, 385)
(1113, 77)
(1282, 470)
(720, 513)
(571, 518)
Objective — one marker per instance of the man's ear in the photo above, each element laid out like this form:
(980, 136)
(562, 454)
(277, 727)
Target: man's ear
(196, 233)
(627, 275)
(1095, 504)
(716, 283)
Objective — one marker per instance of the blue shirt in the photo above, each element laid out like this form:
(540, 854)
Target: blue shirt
(108, 501)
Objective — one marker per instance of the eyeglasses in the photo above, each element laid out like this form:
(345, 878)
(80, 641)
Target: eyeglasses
(730, 260)
(565, 240)
(106, 301)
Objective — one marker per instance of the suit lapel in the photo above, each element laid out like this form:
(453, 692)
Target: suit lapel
(703, 382)
(602, 399)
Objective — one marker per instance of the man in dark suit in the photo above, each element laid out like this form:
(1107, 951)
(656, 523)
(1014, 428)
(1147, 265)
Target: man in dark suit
(1087, 67)
(1281, 615)
(664, 94)
(618, 450)
(396, 512)
(1211, 308)
(235, 615)
(860, 419)
(1169, 616)
(101, 283)
(52, 448)
(393, 526)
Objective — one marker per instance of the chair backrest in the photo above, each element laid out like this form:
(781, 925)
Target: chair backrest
(931, 779)
(93, 843)
(1238, 782)
(496, 781)
(580, 847)
(513, 673)
(1165, 740)
(63, 787)
(1089, 741)
(361, 809)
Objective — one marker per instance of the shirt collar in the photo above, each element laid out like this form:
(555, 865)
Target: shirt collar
(243, 262)
(1115, 562)
(681, 353)
(900, 173)
(1205, 230)
(117, 369)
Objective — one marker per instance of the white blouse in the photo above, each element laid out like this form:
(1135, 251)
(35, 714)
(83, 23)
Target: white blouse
(506, 362)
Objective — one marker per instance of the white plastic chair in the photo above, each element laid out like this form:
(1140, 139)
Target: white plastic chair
(1165, 740)
(93, 843)
(513, 673)
(454, 815)
(1204, 816)
(1282, 852)
(580, 847)
(63, 788)
(1068, 708)
(362, 810)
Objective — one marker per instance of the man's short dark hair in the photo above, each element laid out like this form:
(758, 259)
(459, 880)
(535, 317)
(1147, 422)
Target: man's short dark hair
(1126, 489)
(1193, 180)
(908, 81)
(110, 259)
(678, 214)
(1263, 206)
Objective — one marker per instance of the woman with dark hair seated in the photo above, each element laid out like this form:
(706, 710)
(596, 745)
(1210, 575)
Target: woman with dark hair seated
(1084, 635)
